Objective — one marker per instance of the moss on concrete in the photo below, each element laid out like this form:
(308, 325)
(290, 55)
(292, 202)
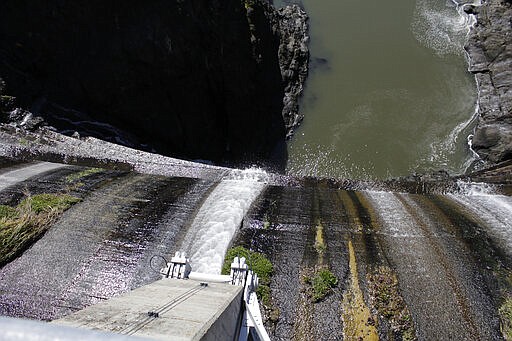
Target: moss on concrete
(505, 312)
(319, 242)
(82, 174)
(46, 202)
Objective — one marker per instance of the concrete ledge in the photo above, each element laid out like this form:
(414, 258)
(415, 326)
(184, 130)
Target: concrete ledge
(180, 310)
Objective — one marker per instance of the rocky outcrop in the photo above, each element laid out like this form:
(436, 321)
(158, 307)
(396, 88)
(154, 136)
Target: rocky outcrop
(293, 60)
(490, 55)
(192, 79)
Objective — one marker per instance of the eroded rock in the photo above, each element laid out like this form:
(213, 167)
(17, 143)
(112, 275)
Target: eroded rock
(490, 56)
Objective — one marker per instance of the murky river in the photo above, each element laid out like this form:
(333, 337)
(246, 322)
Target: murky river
(388, 91)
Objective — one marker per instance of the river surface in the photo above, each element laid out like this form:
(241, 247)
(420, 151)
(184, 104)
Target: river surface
(388, 92)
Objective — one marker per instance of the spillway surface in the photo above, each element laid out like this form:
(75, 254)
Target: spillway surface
(449, 260)
(447, 256)
(100, 247)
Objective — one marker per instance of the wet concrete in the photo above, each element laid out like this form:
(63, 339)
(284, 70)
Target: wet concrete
(20, 174)
(290, 216)
(451, 253)
(437, 277)
(432, 243)
(100, 247)
(58, 179)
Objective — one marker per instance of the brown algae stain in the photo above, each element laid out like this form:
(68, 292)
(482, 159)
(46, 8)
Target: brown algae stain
(382, 282)
(319, 242)
(358, 321)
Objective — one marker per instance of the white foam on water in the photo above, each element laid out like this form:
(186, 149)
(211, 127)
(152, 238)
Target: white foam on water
(443, 28)
(474, 188)
(324, 161)
(219, 217)
(494, 210)
(443, 149)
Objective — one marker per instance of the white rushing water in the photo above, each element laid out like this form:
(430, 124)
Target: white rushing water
(219, 217)
(495, 211)
(397, 222)
(474, 188)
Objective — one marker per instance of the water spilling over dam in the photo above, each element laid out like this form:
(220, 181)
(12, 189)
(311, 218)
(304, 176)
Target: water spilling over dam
(219, 217)
(423, 257)
(445, 257)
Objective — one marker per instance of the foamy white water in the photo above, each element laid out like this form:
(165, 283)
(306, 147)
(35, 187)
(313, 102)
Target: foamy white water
(437, 26)
(494, 210)
(474, 188)
(219, 217)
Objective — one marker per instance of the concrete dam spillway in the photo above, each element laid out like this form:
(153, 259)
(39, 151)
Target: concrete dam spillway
(430, 265)
(84, 221)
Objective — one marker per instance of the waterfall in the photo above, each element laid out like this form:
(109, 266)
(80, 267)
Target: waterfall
(219, 217)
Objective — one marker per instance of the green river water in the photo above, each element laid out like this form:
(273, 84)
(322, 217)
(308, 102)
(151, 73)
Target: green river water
(388, 92)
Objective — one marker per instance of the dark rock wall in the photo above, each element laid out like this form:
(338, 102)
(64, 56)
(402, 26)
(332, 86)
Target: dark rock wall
(294, 60)
(490, 53)
(185, 78)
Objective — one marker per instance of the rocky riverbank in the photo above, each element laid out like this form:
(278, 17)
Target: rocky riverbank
(215, 81)
(489, 49)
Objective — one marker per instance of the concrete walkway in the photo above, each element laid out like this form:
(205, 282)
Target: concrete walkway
(21, 174)
(168, 309)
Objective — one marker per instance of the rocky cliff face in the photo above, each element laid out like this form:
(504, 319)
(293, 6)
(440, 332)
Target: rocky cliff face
(192, 79)
(490, 54)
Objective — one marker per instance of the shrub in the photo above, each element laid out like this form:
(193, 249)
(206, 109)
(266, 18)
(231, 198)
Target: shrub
(322, 282)
(257, 262)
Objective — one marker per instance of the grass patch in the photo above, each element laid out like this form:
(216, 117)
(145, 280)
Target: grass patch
(22, 225)
(505, 312)
(44, 203)
(258, 262)
(82, 174)
(7, 212)
(322, 282)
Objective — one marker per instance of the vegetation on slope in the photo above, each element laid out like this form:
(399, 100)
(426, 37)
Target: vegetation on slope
(386, 299)
(258, 262)
(321, 282)
(22, 225)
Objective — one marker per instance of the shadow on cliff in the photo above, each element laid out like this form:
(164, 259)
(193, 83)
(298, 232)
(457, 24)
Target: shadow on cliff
(189, 79)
